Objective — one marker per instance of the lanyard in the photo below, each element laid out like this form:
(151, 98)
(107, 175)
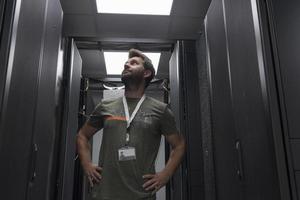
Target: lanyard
(130, 118)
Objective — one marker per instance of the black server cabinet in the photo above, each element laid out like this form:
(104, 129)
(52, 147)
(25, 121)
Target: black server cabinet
(281, 38)
(67, 157)
(188, 181)
(2, 10)
(47, 118)
(243, 134)
(177, 190)
(30, 37)
(7, 13)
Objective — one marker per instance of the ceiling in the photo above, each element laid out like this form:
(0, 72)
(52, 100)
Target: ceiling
(82, 21)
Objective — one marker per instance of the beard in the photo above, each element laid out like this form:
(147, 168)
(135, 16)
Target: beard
(129, 78)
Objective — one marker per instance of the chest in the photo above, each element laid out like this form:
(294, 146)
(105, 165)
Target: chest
(146, 118)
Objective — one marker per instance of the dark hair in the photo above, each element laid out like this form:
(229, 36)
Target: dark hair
(147, 63)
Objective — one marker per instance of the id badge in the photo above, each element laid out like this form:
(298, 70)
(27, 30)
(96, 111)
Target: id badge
(126, 153)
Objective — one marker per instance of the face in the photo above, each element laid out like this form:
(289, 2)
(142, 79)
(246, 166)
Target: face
(133, 69)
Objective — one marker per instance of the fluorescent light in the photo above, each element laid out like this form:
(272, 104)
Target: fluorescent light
(114, 61)
(143, 7)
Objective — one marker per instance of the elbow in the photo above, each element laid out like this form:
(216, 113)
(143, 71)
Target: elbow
(181, 145)
(78, 139)
(81, 138)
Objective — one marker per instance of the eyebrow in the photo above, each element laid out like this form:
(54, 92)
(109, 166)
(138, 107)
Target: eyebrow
(134, 58)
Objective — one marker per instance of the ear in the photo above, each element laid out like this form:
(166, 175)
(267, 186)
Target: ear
(147, 73)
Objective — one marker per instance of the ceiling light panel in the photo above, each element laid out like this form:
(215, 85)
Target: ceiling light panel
(114, 61)
(142, 7)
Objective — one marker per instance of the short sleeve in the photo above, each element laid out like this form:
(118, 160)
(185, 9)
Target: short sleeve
(167, 123)
(96, 118)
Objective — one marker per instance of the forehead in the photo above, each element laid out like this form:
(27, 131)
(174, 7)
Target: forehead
(135, 58)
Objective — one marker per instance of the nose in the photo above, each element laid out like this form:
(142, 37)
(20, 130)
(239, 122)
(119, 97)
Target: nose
(126, 66)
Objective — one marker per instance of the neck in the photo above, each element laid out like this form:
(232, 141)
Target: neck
(134, 91)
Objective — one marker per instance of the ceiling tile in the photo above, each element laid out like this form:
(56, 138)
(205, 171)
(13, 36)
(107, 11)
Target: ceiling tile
(135, 26)
(190, 8)
(185, 28)
(79, 6)
(93, 64)
(81, 20)
(79, 25)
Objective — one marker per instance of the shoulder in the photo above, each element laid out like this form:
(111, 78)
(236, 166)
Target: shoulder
(106, 103)
(156, 103)
(111, 101)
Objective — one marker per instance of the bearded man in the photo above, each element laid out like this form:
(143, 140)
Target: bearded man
(132, 130)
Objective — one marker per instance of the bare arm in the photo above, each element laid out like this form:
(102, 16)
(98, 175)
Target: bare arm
(178, 148)
(158, 180)
(92, 172)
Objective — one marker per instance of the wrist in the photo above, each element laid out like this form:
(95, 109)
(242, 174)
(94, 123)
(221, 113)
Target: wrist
(86, 165)
(167, 173)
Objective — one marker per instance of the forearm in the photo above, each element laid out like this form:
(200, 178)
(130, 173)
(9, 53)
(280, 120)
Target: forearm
(84, 150)
(156, 181)
(175, 158)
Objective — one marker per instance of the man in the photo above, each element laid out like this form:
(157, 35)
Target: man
(132, 129)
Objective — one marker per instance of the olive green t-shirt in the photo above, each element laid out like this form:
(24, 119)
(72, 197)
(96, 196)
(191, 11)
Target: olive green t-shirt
(122, 180)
